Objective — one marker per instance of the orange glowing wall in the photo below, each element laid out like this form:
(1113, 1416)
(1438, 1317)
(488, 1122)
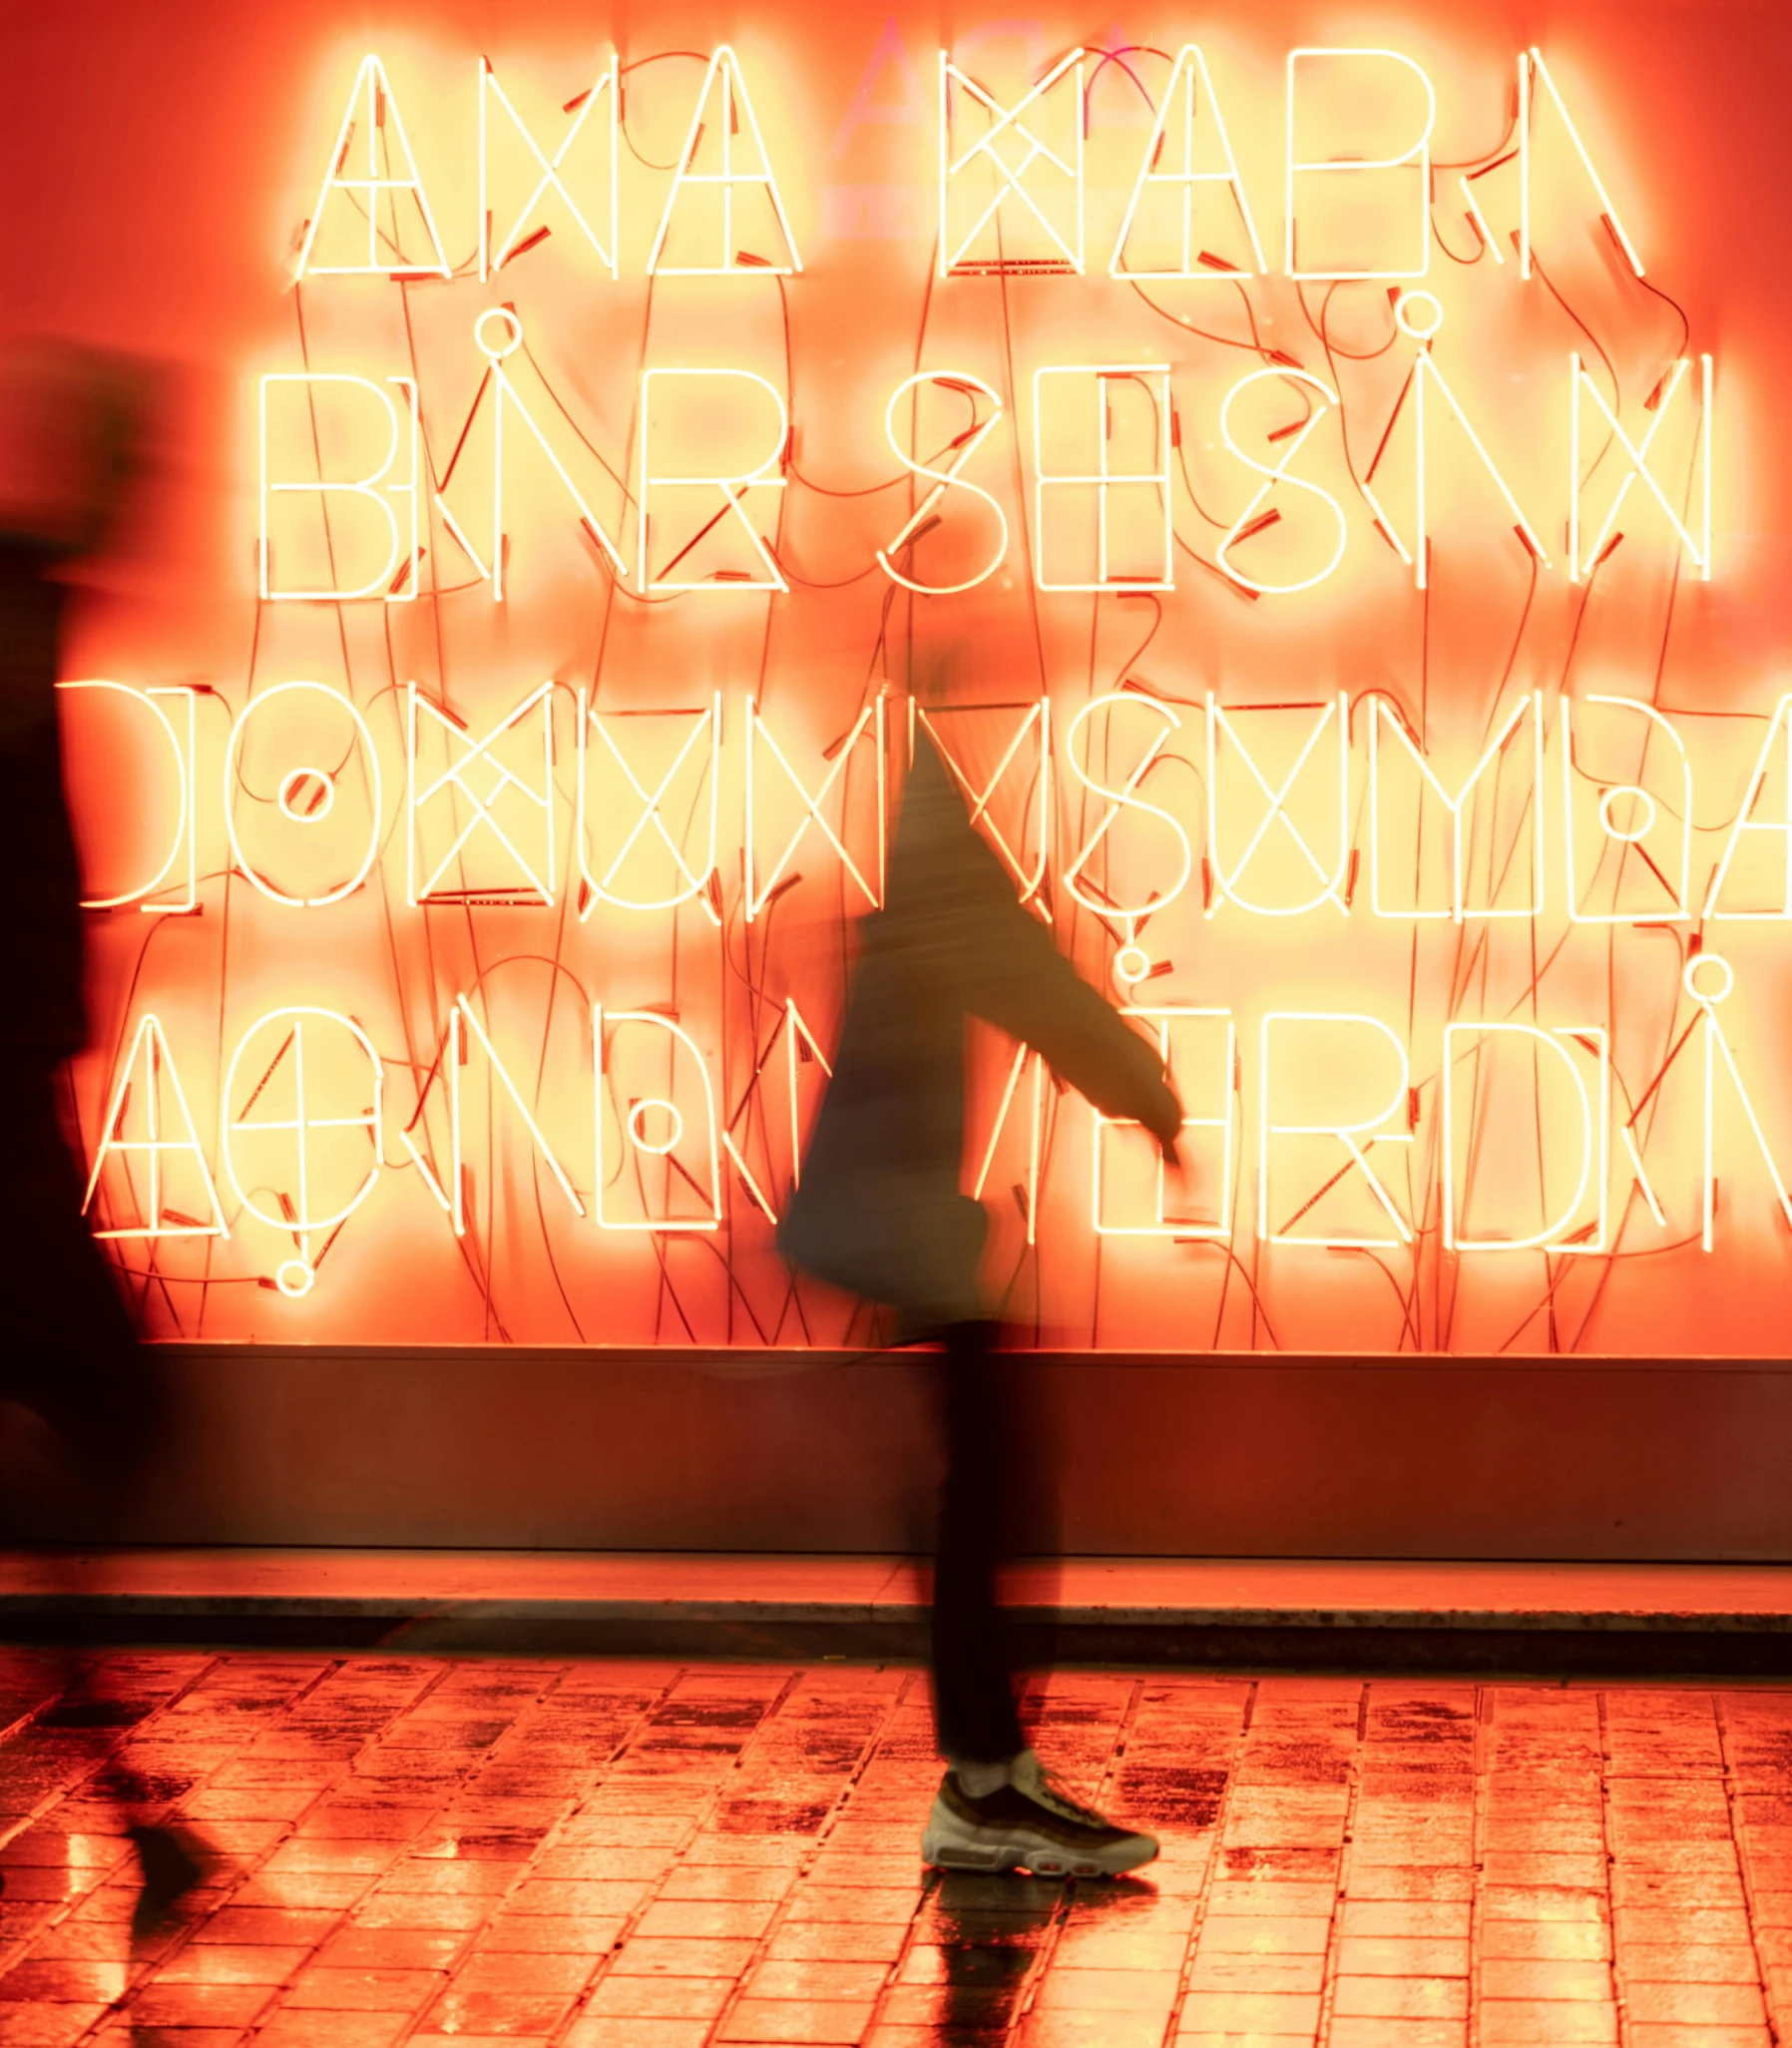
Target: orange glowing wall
(1373, 673)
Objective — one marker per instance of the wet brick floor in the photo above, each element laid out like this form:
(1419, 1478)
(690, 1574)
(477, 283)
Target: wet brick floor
(625, 1856)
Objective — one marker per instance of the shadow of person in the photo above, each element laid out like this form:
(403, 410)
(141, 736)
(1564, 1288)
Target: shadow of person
(980, 1941)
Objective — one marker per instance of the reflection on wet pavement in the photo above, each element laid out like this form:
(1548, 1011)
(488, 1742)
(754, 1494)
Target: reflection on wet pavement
(632, 1856)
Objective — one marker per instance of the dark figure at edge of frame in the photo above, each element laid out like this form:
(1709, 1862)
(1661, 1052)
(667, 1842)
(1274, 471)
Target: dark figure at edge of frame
(880, 1214)
(69, 426)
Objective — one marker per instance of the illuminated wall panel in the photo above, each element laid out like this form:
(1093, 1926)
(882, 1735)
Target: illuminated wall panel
(1324, 502)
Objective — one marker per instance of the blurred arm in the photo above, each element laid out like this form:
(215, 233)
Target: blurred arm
(1029, 989)
(1014, 977)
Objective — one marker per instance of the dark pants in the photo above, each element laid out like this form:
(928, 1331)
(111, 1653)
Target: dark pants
(70, 1356)
(973, 1671)
(70, 1353)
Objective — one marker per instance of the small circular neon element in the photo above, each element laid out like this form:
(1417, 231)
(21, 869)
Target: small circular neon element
(637, 1125)
(299, 785)
(1418, 313)
(1642, 816)
(296, 1279)
(1131, 965)
(1691, 977)
(509, 326)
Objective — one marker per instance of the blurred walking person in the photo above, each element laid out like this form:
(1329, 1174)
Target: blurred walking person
(71, 427)
(880, 1212)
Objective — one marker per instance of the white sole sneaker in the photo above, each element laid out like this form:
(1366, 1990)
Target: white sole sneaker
(960, 1837)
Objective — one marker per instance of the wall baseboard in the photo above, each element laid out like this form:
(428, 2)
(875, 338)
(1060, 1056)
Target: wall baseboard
(1141, 1454)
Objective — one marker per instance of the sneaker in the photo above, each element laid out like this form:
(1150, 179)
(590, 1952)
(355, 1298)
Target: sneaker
(1027, 1825)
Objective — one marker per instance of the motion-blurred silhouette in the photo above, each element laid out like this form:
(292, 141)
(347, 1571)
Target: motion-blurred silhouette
(880, 1212)
(71, 433)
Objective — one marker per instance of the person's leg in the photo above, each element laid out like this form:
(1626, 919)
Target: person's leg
(74, 1360)
(73, 1357)
(973, 1677)
(996, 1808)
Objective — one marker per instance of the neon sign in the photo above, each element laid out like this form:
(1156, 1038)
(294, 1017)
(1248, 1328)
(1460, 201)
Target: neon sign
(1292, 608)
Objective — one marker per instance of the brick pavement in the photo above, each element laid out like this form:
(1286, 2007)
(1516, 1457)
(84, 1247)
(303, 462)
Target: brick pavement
(623, 1856)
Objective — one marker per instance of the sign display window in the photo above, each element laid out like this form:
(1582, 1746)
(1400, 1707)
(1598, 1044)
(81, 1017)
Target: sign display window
(1311, 496)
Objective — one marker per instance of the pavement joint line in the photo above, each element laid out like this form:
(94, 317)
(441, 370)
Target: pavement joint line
(1328, 1982)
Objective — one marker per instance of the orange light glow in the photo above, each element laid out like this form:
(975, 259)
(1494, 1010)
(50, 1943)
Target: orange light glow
(1262, 473)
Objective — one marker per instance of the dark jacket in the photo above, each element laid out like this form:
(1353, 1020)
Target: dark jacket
(879, 1210)
(42, 1019)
